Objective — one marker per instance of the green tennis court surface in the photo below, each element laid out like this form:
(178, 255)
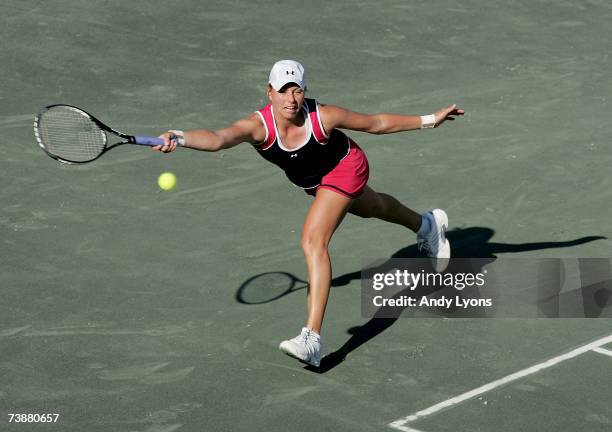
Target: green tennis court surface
(118, 302)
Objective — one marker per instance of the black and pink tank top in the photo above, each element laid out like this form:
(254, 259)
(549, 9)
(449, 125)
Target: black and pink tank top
(306, 164)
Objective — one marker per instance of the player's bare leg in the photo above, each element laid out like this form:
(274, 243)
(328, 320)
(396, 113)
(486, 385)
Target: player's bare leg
(325, 214)
(430, 227)
(382, 206)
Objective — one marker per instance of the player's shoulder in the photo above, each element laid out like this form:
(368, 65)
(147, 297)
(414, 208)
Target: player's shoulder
(247, 129)
(250, 122)
(326, 107)
(256, 127)
(330, 111)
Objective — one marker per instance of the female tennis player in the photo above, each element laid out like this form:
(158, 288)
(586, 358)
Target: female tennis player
(303, 138)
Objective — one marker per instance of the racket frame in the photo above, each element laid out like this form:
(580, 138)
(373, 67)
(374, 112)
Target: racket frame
(129, 139)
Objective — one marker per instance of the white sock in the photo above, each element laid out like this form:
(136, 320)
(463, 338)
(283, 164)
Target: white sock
(425, 225)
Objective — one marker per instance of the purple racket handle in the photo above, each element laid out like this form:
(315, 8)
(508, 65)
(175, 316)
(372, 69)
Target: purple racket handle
(148, 141)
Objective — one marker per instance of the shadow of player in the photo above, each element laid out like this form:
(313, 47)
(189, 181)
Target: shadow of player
(472, 242)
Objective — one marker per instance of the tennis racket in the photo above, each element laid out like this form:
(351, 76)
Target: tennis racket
(73, 136)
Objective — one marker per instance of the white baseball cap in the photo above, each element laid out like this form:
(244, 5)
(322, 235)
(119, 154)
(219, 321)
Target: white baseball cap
(287, 71)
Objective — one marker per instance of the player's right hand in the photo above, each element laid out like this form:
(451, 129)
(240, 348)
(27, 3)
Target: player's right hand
(170, 143)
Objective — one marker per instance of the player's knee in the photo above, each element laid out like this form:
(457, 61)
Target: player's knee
(313, 243)
(374, 208)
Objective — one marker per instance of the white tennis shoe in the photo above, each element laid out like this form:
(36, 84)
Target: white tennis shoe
(435, 242)
(305, 347)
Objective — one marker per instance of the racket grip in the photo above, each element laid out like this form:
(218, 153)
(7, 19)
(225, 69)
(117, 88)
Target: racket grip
(148, 141)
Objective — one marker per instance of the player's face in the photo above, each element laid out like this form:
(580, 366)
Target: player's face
(287, 101)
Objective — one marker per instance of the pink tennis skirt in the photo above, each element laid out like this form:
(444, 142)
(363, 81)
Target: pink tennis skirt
(349, 177)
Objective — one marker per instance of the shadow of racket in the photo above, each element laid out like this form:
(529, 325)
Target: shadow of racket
(267, 287)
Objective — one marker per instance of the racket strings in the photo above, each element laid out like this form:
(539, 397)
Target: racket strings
(70, 134)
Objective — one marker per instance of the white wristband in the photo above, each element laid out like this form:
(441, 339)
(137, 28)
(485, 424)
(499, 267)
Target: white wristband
(428, 121)
(180, 136)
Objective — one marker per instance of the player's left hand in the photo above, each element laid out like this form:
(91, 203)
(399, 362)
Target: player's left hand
(448, 113)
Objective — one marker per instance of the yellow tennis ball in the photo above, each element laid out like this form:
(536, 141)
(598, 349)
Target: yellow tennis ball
(166, 181)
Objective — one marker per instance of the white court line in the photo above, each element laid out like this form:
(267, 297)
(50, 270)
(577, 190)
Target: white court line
(603, 351)
(402, 423)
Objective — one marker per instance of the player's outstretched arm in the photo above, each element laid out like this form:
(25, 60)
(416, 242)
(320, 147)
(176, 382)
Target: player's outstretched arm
(383, 123)
(246, 130)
